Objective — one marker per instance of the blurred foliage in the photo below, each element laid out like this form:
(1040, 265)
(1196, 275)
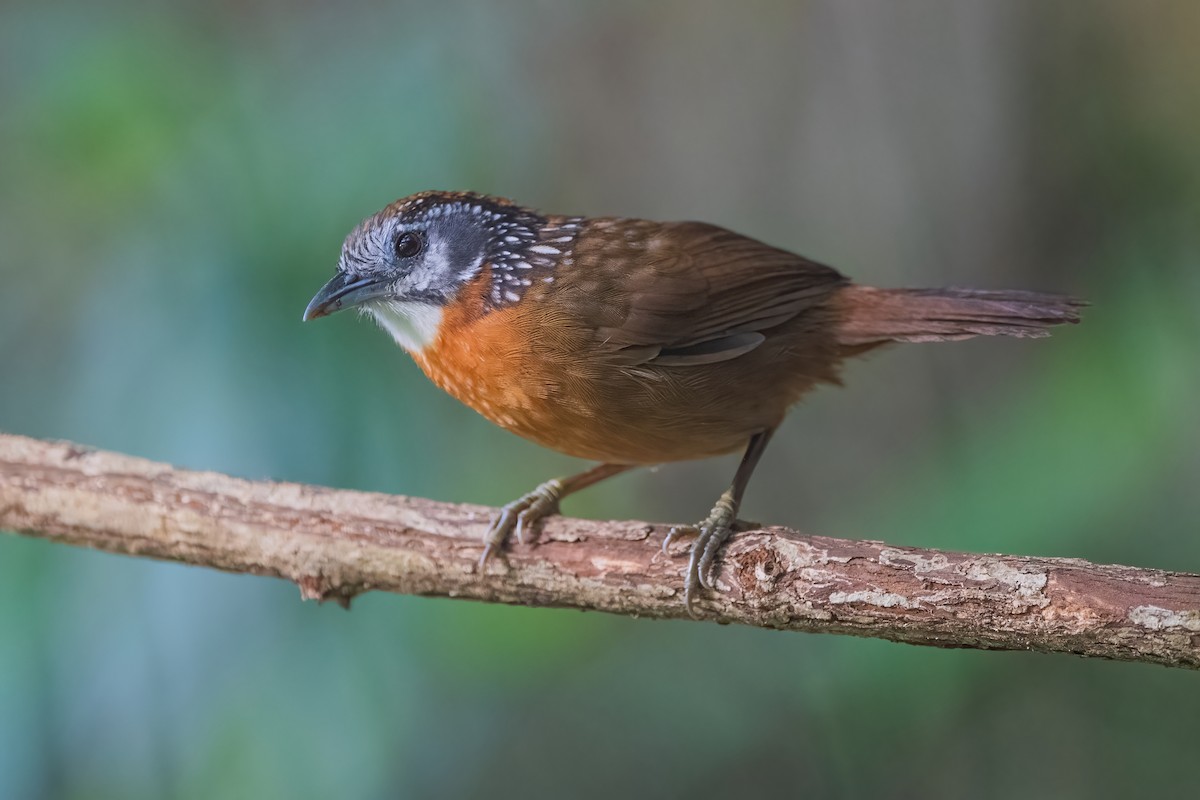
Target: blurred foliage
(175, 181)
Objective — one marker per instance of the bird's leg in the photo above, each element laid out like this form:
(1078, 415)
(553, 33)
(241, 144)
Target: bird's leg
(712, 532)
(523, 513)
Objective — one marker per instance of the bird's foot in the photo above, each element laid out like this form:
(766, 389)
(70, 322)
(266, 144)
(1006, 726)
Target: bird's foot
(520, 516)
(710, 534)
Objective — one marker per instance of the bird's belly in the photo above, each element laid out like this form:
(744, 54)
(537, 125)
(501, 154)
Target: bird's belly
(623, 418)
(618, 418)
(591, 409)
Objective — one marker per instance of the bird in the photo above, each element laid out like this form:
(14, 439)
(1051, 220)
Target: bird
(631, 342)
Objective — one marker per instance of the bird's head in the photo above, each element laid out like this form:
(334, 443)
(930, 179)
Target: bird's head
(406, 263)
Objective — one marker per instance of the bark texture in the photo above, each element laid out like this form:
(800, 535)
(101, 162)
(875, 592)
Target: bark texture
(337, 544)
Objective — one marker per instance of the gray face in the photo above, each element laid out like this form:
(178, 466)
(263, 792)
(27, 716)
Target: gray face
(405, 263)
(422, 256)
(422, 249)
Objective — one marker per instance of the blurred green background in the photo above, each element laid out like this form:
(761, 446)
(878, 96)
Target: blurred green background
(175, 183)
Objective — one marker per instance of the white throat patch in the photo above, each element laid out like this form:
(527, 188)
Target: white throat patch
(412, 325)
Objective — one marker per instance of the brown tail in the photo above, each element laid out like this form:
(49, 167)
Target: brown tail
(875, 316)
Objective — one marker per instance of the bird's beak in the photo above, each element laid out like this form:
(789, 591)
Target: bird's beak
(343, 291)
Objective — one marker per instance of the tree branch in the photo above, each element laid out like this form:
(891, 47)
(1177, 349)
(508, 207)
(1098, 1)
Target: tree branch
(337, 544)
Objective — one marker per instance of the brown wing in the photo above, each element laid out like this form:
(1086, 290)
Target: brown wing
(696, 293)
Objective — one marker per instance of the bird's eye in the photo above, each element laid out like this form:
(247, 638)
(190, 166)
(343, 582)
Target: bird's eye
(408, 244)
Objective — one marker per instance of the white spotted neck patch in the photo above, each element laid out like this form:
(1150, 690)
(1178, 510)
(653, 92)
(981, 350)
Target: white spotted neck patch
(523, 254)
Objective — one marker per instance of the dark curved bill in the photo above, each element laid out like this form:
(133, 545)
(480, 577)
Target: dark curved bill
(341, 292)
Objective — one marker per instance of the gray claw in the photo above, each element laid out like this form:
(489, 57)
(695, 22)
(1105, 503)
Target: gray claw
(498, 530)
(716, 538)
(711, 534)
(525, 522)
(519, 516)
(691, 582)
(675, 532)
